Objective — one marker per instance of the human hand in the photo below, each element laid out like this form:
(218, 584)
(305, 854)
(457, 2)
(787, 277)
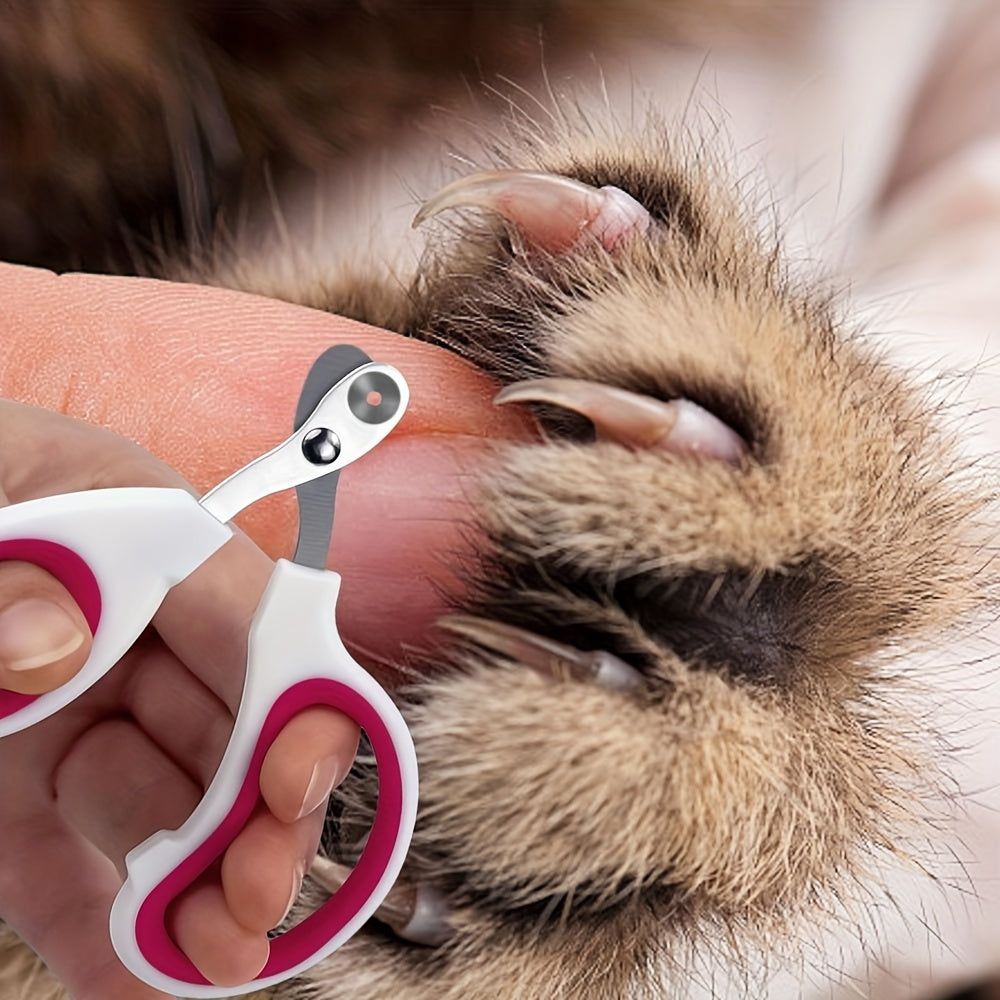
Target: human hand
(134, 754)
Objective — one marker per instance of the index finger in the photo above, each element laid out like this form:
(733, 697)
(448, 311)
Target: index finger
(207, 379)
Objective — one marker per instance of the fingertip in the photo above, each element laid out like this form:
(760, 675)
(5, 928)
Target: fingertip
(306, 761)
(224, 951)
(44, 637)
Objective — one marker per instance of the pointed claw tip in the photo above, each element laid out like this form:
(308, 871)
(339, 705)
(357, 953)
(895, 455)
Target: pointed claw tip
(487, 634)
(616, 414)
(423, 214)
(430, 922)
(478, 190)
(554, 390)
(513, 393)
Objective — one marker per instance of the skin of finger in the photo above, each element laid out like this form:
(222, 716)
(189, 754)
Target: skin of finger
(208, 379)
(21, 581)
(117, 787)
(166, 364)
(223, 950)
(258, 890)
(183, 717)
(56, 891)
(320, 734)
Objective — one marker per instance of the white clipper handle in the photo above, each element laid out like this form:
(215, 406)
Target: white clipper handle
(295, 659)
(118, 552)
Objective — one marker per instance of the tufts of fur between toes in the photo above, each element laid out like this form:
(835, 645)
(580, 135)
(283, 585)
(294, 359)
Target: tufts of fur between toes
(587, 838)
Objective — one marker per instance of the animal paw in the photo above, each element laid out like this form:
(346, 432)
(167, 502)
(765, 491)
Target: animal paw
(669, 719)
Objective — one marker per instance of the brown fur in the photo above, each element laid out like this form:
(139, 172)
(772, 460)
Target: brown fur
(592, 843)
(767, 762)
(125, 124)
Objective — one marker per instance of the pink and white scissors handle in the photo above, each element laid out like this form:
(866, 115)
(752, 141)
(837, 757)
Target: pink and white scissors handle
(118, 551)
(296, 659)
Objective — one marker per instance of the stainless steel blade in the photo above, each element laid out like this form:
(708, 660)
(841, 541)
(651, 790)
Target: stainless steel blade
(317, 498)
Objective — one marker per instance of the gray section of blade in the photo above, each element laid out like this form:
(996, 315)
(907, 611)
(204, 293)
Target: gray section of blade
(317, 498)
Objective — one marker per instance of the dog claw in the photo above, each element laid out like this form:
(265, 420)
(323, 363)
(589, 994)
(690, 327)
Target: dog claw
(416, 913)
(554, 659)
(548, 211)
(677, 425)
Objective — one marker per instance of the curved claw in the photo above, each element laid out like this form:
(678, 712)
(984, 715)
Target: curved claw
(678, 426)
(547, 656)
(548, 211)
(415, 912)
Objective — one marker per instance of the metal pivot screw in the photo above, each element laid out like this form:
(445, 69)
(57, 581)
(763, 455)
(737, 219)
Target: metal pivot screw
(321, 446)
